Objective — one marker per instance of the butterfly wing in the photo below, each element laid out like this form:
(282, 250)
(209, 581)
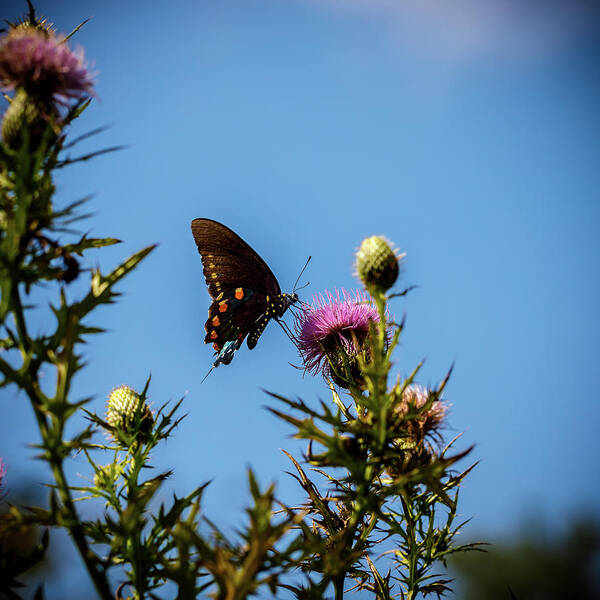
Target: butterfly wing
(238, 279)
(229, 262)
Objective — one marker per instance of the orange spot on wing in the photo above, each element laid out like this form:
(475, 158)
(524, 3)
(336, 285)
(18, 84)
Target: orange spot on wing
(215, 321)
(216, 347)
(223, 306)
(239, 293)
(213, 335)
(240, 336)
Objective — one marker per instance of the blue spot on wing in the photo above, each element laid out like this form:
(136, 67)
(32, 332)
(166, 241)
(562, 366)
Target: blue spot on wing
(225, 355)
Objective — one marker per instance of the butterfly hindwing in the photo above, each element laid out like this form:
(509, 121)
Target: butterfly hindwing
(228, 315)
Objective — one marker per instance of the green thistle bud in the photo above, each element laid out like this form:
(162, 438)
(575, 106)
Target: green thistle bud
(122, 408)
(377, 264)
(23, 113)
(409, 457)
(103, 476)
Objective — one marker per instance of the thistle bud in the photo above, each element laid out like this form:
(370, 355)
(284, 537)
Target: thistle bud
(408, 458)
(377, 264)
(23, 114)
(127, 412)
(103, 476)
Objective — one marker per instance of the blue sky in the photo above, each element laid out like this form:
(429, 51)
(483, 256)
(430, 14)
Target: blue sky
(469, 137)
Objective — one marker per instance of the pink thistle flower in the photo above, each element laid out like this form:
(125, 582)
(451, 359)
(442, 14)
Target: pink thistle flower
(42, 64)
(2, 476)
(425, 422)
(333, 324)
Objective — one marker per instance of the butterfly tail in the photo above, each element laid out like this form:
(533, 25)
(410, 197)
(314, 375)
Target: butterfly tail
(209, 372)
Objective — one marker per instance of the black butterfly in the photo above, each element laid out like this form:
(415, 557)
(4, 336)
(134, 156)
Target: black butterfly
(245, 293)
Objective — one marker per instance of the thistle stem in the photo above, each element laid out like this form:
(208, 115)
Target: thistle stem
(413, 562)
(54, 458)
(77, 533)
(338, 586)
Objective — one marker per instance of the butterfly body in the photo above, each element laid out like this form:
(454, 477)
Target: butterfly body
(245, 293)
(276, 307)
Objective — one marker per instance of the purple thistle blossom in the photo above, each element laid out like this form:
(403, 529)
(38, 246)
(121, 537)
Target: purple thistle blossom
(2, 475)
(426, 422)
(43, 65)
(331, 324)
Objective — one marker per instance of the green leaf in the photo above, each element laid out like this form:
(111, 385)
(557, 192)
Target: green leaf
(101, 286)
(86, 243)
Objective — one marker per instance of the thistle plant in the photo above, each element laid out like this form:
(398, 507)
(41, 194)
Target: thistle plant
(377, 449)
(376, 476)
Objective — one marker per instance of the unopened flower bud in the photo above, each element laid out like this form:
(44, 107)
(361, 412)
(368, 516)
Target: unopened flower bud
(122, 408)
(103, 476)
(23, 114)
(408, 458)
(377, 264)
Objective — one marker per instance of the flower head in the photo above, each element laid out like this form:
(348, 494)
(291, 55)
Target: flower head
(2, 477)
(127, 412)
(377, 263)
(416, 420)
(42, 64)
(333, 324)
(421, 421)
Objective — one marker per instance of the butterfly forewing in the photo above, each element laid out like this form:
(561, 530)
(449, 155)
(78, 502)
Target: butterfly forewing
(242, 287)
(229, 262)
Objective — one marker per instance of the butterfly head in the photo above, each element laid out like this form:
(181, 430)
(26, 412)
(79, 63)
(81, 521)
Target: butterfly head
(286, 300)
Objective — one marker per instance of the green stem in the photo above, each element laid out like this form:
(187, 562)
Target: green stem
(381, 361)
(413, 562)
(19, 315)
(78, 535)
(338, 586)
(54, 457)
(135, 536)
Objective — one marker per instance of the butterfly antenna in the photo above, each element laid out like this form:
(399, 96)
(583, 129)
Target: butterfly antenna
(303, 269)
(209, 372)
(302, 287)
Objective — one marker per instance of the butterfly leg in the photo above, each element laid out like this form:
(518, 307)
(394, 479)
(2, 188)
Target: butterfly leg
(287, 331)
